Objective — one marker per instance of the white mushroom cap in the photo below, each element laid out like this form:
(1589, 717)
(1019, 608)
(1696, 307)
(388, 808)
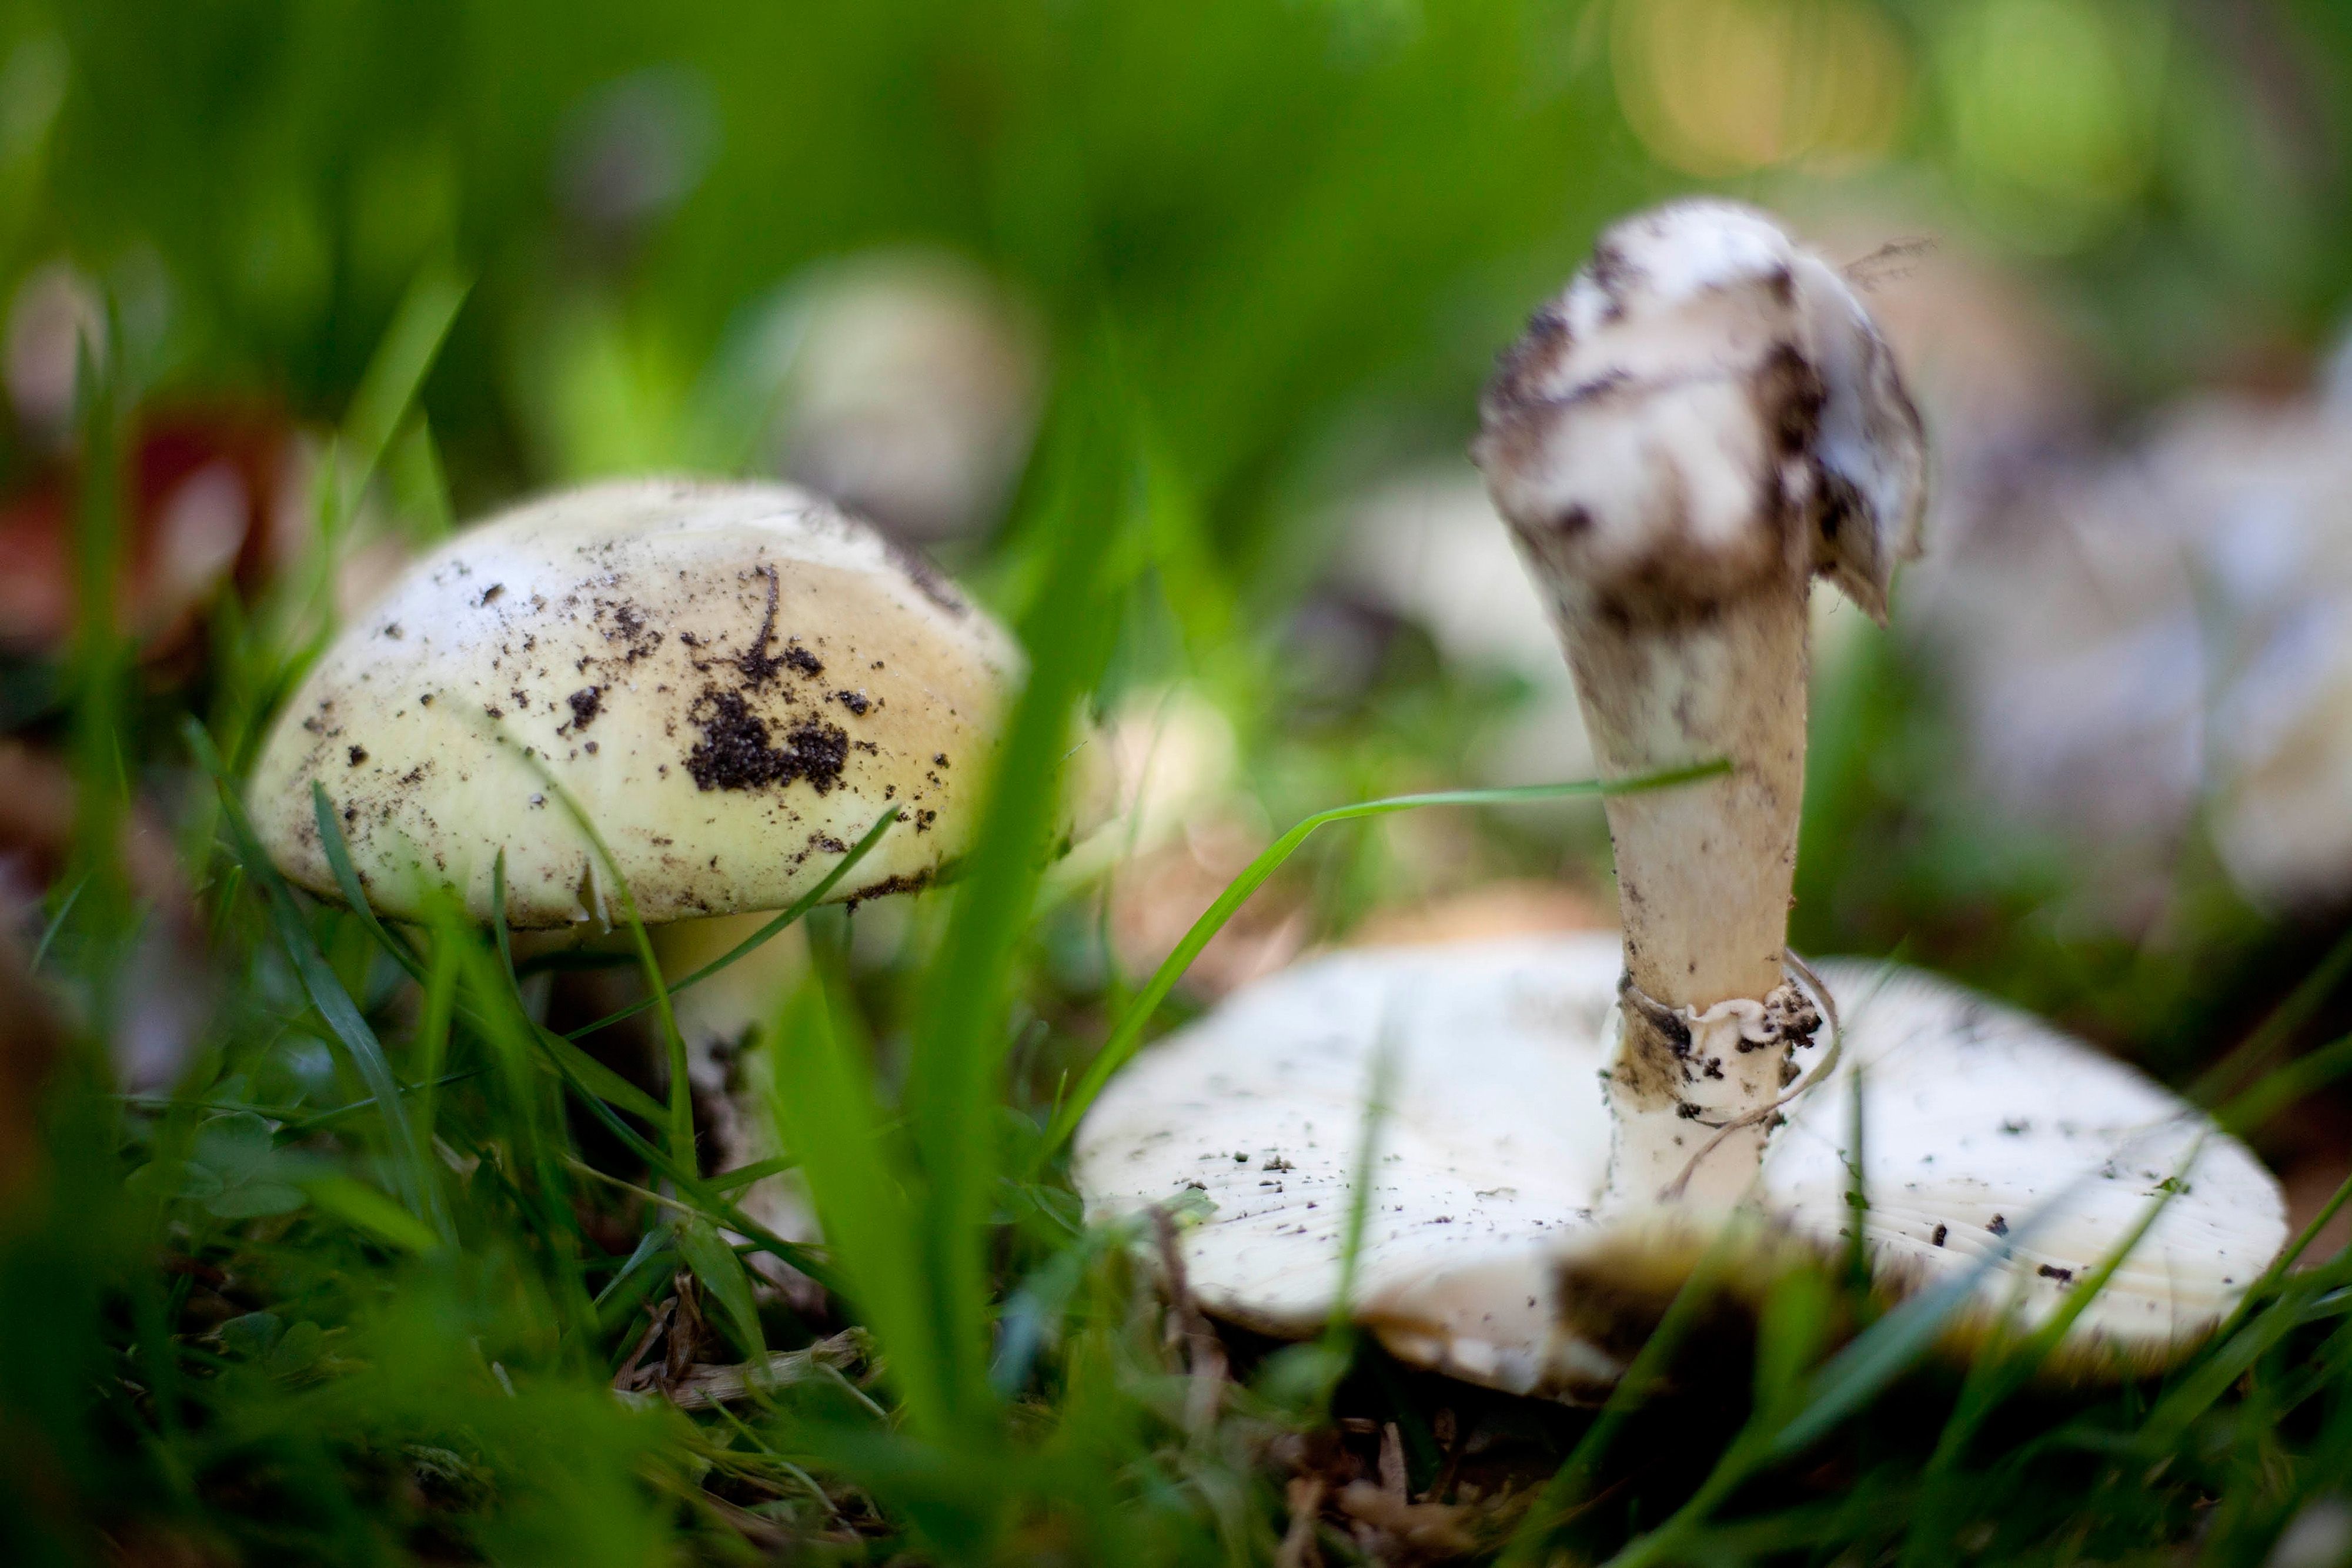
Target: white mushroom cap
(733, 682)
(1978, 1122)
(1703, 383)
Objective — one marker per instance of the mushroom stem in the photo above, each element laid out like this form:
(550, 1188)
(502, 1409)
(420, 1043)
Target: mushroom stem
(1704, 874)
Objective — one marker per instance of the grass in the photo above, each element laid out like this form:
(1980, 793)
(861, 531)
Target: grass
(356, 1284)
(384, 1328)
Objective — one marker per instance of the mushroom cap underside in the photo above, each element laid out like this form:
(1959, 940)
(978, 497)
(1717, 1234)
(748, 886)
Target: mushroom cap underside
(733, 682)
(1985, 1134)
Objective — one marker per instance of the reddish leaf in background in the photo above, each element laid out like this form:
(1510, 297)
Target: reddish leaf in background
(200, 489)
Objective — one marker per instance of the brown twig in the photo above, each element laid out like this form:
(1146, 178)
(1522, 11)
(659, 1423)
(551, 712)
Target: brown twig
(1204, 1353)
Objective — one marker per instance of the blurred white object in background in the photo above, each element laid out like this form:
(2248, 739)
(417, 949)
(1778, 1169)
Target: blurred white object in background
(2130, 637)
(911, 394)
(631, 152)
(56, 308)
(1429, 546)
(2262, 499)
(2062, 616)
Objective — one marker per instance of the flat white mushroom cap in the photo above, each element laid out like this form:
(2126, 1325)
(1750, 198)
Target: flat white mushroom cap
(734, 681)
(1980, 1125)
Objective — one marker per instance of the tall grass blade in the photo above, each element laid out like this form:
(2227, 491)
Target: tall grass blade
(959, 1038)
(347, 882)
(1572, 1484)
(773, 929)
(829, 1118)
(1128, 1035)
(419, 1190)
(396, 372)
(721, 1273)
(2301, 1004)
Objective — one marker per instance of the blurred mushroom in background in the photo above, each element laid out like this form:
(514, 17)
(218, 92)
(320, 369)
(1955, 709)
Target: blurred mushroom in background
(2261, 498)
(632, 150)
(911, 391)
(1429, 546)
(2133, 636)
(56, 308)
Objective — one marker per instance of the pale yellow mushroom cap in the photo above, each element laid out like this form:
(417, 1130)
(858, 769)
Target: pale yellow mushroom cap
(733, 682)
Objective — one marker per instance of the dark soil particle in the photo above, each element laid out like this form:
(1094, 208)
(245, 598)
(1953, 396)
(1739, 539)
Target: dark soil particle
(796, 657)
(585, 705)
(855, 701)
(2000, 1226)
(735, 752)
(1941, 1231)
(913, 883)
(358, 753)
(490, 594)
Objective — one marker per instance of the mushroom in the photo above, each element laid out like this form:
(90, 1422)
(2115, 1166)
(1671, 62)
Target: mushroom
(1705, 421)
(733, 682)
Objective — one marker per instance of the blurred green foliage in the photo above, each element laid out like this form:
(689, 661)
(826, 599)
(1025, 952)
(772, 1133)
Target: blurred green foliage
(1271, 245)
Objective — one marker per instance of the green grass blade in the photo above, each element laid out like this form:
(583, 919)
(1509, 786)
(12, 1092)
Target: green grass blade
(2284, 1086)
(431, 1037)
(1340, 1331)
(957, 1056)
(347, 882)
(600, 1080)
(693, 1194)
(57, 923)
(99, 669)
(1572, 1484)
(419, 1189)
(361, 1207)
(830, 1120)
(1882, 1352)
(321, 1118)
(2269, 1279)
(2297, 1009)
(396, 372)
(721, 1273)
(1128, 1035)
(773, 929)
(741, 1177)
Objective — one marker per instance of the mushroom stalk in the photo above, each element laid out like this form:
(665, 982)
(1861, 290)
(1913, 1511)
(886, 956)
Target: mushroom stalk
(1704, 421)
(1706, 1019)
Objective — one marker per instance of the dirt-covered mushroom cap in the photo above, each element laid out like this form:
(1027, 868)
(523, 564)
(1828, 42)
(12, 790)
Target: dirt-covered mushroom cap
(1487, 1253)
(733, 682)
(1707, 404)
